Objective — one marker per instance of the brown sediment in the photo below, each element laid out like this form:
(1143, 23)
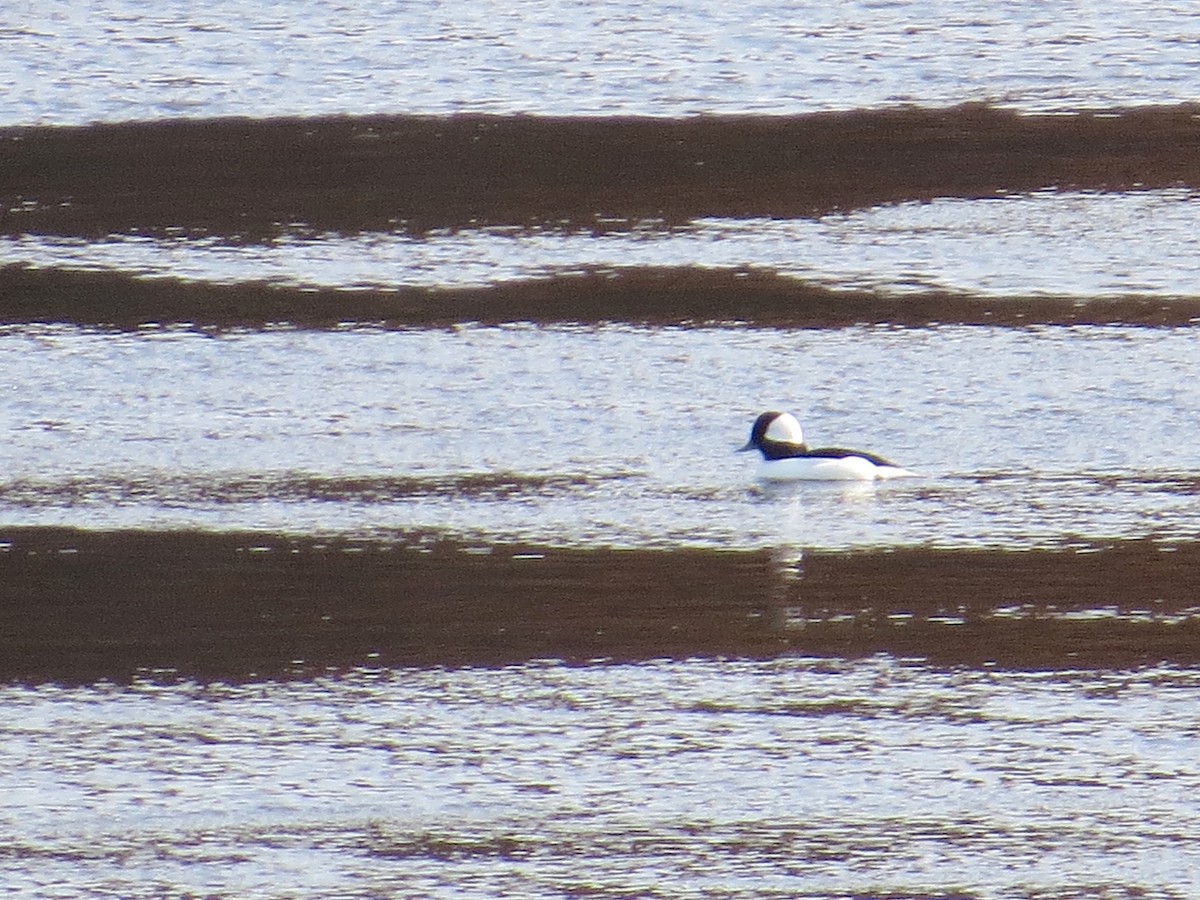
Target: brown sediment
(652, 296)
(78, 606)
(249, 177)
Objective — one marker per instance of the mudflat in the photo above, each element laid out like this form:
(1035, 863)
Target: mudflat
(81, 606)
(248, 178)
(648, 296)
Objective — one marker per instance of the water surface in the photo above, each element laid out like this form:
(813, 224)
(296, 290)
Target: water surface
(119, 60)
(793, 777)
(1101, 244)
(604, 435)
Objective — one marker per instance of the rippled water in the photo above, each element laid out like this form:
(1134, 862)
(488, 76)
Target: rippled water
(785, 778)
(604, 435)
(1100, 244)
(119, 60)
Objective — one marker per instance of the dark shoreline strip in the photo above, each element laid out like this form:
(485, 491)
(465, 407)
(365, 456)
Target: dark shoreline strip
(249, 177)
(78, 606)
(650, 296)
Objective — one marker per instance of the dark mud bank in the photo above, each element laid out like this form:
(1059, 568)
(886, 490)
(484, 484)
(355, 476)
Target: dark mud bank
(84, 606)
(250, 177)
(645, 296)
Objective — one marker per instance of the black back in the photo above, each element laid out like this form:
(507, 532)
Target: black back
(782, 450)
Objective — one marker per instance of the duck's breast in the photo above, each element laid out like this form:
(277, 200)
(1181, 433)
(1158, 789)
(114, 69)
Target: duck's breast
(819, 468)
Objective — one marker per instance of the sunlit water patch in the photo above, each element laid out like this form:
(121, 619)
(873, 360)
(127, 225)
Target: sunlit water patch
(1062, 244)
(609, 435)
(236, 58)
(795, 776)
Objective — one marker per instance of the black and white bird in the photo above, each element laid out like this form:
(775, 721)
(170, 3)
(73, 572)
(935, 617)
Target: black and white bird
(785, 457)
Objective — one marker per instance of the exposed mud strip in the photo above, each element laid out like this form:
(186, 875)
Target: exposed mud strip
(247, 177)
(655, 296)
(83, 606)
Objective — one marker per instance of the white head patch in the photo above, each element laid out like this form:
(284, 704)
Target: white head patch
(785, 428)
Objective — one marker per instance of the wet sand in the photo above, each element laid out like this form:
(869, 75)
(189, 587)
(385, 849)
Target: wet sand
(78, 606)
(650, 296)
(248, 178)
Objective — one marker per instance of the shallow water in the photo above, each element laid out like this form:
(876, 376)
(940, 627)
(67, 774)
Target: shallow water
(1102, 245)
(121, 60)
(786, 778)
(604, 435)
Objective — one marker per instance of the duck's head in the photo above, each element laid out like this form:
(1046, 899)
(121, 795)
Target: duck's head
(775, 431)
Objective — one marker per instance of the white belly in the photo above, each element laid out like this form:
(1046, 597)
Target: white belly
(845, 468)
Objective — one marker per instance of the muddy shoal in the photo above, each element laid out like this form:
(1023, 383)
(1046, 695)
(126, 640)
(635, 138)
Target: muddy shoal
(251, 177)
(78, 606)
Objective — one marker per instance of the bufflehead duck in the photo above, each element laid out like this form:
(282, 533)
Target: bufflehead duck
(778, 436)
